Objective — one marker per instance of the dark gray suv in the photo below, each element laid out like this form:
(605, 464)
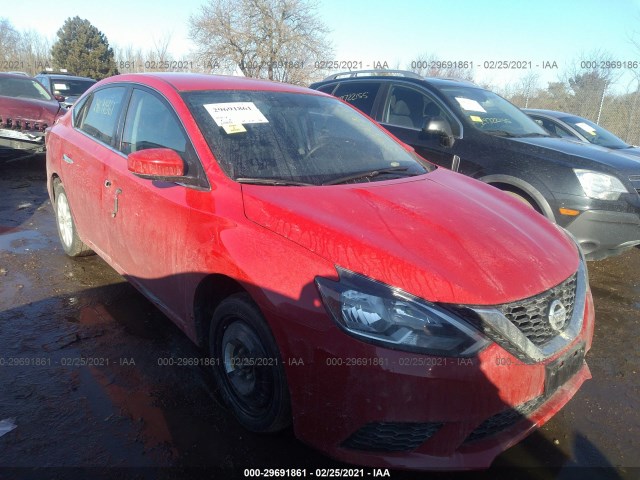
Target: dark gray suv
(64, 87)
(591, 191)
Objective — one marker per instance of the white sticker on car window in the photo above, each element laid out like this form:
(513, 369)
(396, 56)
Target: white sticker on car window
(235, 113)
(586, 127)
(470, 105)
(60, 86)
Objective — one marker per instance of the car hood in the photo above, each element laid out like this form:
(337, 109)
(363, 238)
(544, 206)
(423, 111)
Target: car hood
(633, 151)
(576, 154)
(29, 109)
(441, 236)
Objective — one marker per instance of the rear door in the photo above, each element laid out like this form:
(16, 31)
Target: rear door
(86, 149)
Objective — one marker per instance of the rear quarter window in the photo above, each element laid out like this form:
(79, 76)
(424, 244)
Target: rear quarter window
(361, 95)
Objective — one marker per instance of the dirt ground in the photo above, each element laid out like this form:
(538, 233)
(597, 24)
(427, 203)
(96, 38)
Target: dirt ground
(81, 374)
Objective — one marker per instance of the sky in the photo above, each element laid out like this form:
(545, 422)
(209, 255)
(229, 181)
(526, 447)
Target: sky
(536, 33)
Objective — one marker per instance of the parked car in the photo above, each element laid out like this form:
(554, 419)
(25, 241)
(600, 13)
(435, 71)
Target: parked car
(398, 314)
(66, 88)
(566, 125)
(591, 191)
(26, 110)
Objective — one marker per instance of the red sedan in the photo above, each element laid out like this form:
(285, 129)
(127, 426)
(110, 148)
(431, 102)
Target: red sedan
(398, 315)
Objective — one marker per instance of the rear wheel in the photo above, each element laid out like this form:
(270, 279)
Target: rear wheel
(248, 369)
(71, 243)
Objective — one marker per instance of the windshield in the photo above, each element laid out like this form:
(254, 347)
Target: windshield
(594, 133)
(491, 113)
(70, 88)
(262, 137)
(23, 88)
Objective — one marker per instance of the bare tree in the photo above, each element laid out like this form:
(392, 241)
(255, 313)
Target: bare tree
(9, 41)
(275, 39)
(589, 77)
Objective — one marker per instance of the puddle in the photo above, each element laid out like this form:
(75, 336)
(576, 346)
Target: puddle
(23, 241)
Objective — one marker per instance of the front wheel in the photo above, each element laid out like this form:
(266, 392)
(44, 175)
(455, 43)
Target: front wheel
(248, 369)
(71, 243)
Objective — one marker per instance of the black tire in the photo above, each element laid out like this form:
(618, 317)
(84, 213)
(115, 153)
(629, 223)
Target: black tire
(248, 369)
(67, 231)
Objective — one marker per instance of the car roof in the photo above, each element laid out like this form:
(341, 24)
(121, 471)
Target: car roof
(62, 76)
(549, 113)
(189, 82)
(434, 81)
(15, 75)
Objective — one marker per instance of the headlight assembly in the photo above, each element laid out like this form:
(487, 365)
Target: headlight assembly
(600, 185)
(380, 314)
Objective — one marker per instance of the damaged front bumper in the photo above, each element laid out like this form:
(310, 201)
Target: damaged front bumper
(22, 139)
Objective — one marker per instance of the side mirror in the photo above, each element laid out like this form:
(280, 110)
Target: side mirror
(440, 126)
(60, 98)
(157, 164)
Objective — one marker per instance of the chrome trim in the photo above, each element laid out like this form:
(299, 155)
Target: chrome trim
(498, 327)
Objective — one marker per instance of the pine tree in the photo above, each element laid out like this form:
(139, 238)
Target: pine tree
(83, 50)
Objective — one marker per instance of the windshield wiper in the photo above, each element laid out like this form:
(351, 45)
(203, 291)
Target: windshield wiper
(500, 133)
(370, 174)
(533, 135)
(273, 181)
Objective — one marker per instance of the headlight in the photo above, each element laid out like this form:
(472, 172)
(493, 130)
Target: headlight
(380, 314)
(600, 185)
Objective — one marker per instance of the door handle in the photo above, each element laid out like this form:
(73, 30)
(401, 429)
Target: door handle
(67, 158)
(115, 203)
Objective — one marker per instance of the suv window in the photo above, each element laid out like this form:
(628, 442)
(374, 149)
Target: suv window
(99, 114)
(359, 94)
(410, 108)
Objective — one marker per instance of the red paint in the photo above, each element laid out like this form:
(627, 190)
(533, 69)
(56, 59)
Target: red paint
(441, 236)
(160, 162)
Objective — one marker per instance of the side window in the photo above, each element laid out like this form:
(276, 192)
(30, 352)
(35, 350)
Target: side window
(410, 108)
(80, 111)
(552, 127)
(359, 94)
(327, 88)
(151, 123)
(99, 114)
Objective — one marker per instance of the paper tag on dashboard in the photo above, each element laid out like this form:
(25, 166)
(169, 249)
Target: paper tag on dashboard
(470, 105)
(235, 113)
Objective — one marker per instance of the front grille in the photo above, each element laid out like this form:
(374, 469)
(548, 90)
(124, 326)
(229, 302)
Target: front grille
(505, 419)
(391, 437)
(531, 315)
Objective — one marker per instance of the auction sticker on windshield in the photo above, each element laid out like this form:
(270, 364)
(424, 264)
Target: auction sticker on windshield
(235, 113)
(470, 105)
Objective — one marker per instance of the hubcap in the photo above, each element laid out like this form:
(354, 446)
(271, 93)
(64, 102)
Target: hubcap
(65, 225)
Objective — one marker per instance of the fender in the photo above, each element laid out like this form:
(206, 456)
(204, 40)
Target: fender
(526, 187)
